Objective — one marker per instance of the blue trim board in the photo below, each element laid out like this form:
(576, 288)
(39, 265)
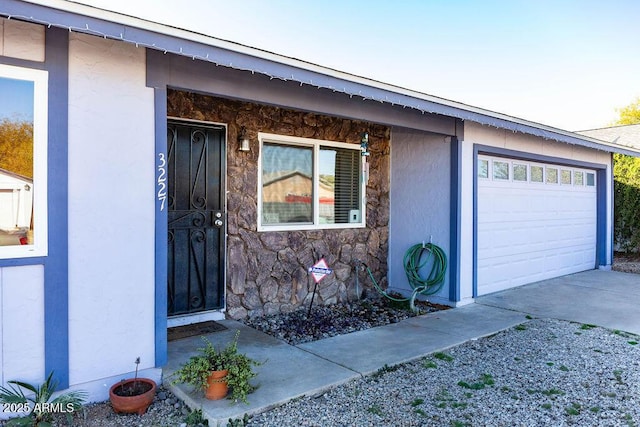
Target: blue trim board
(56, 272)
(455, 219)
(160, 310)
(601, 189)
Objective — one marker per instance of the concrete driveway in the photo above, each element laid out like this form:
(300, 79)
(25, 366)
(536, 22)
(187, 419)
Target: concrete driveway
(605, 298)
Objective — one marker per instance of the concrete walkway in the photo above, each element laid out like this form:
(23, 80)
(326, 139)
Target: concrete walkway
(603, 298)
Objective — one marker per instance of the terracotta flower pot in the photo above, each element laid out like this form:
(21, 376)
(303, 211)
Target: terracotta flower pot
(132, 396)
(217, 385)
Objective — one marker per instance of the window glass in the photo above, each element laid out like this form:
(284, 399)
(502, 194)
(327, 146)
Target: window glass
(552, 175)
(16, 161)
(287, 184)
(500, 170)
(578, 178)
(310, 184)
(483, 168)
(339, 189)
(565, 176)
(591, 179)
(519, 172)
(537, 174)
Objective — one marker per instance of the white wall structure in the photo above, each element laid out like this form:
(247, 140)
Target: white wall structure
(111, 211)
(420, 199)
(22, 316)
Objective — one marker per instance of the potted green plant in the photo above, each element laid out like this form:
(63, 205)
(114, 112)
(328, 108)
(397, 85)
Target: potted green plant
(216, 371)
(133, 395)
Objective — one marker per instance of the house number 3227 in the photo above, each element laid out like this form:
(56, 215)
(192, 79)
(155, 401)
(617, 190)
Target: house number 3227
(162, 178)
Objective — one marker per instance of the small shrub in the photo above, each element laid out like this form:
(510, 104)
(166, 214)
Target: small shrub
(375, 410)
(417, 402)
(443, 356)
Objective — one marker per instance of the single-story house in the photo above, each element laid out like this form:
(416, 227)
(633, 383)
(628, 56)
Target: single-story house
(154, 149)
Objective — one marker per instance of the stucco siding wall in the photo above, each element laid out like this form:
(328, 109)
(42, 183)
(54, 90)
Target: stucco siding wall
(111, 209)
(22, 332)
(420, 200)
(21, 40)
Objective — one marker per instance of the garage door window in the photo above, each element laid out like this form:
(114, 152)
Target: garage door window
(591, 179)
(578, 178)
(552, 176)
(537, 174)
(500, 170)
(565, 177)
(483, 168)
(519, 172)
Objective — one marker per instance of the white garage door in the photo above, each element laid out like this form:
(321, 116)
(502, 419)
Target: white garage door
(535, 221)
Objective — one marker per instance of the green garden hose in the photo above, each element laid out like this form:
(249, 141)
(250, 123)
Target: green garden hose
(413, 263)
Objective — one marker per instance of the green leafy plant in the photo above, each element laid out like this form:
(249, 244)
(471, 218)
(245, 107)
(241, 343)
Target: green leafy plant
(39, 402)
(195, 417)
(240, 368)
(238, 422)
(443, 356)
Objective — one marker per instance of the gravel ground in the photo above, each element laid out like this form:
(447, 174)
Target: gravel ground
(543, 372)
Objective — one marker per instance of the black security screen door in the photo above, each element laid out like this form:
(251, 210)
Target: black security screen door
(196, 218)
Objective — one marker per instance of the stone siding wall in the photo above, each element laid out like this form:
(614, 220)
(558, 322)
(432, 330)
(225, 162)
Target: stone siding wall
(267, 271)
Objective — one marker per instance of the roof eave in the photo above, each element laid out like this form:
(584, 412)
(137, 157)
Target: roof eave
(91, 20)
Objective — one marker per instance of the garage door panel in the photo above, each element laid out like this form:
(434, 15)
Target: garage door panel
(533, 231)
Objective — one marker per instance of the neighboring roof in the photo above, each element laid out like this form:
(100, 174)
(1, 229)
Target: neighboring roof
(15, 175)
(91, 20)
(626, 135)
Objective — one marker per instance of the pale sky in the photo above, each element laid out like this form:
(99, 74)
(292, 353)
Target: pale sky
(563, 63)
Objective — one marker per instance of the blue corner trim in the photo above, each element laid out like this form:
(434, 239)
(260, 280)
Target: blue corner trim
(474, 277)
(56, 274)
(161, 228)
(602, 192)
(455, 219)
(601, 218)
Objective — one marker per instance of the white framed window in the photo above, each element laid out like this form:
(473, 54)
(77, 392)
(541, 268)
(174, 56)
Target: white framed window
(23, 162)
(565, 176)
(551, 175)
(591, 179)
(309, 184)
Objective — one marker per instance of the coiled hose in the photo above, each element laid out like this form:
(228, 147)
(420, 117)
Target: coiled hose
(413, 263)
